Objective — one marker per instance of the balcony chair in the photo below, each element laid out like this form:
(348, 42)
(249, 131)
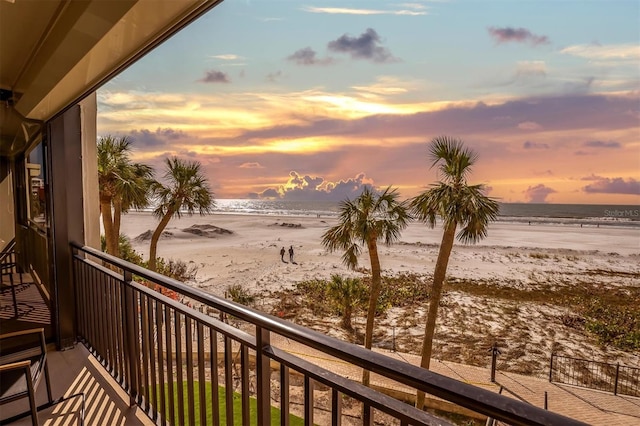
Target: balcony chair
(21, 371)
(8, 267)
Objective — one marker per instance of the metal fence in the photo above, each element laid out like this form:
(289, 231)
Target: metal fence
(172, 359)
(615, 378)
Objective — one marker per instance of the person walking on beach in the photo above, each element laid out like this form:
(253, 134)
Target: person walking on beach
(282, 252)
(291, 254)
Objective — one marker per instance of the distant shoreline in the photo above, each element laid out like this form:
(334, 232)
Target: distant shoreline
(542, 234)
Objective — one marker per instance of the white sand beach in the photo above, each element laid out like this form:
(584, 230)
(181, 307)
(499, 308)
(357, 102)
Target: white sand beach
(514, 255)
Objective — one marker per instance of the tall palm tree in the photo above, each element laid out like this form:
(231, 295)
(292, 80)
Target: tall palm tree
(186, 189)
(122, 185)
(456, 203)
(365, 220)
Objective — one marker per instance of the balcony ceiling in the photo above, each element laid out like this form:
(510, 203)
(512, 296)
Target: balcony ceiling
(54, 52)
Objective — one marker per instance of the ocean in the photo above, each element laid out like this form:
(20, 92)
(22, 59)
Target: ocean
(558, 214)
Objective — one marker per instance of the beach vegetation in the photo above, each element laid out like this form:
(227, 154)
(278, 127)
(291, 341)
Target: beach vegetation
(122, 184)
(125, 249)
(455, 203)
(239, 294)
(362, 222)
(176, 269)
(185, 191)
(615, 325)
(315, 293)
(348, 294)
(539, 255)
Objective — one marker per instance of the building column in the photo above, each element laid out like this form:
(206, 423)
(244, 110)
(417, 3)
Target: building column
(90, 191)
(74, 207)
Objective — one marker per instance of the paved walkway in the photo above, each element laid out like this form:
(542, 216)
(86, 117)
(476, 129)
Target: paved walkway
(587, 405)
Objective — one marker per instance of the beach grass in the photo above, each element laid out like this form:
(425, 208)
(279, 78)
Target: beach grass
(527, 321)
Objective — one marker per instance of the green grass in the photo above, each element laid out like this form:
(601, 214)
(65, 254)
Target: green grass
(237, 407)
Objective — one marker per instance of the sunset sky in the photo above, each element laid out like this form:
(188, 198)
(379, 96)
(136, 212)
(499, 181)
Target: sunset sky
(304, 100)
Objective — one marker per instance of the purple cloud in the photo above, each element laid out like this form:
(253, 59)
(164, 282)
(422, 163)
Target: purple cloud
(214, 76)
(518, 35)
(366, 46)
(307, 56)
(602, 144)
(161, 137)
(538, 193)
(273, 77)
(549, 113)
(535, 145)
(618, 185)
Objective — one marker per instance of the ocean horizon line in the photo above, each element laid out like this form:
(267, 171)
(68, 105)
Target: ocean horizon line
(618, 215)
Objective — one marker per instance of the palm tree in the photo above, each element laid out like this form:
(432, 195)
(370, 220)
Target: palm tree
(186, 189)
(348, 294)
(122, 185)
(456, 203)
(365, 220)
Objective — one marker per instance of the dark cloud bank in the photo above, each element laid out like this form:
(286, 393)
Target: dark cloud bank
(604, 185)
(570, 112)
(518, 35)
(214, 76)
(366, 46)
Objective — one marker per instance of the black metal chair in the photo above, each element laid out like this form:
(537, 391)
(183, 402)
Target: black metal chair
(9, 266)
(22, 370)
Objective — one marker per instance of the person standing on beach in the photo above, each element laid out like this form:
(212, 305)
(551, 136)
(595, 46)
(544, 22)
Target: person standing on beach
(282, 252)
(290, 254)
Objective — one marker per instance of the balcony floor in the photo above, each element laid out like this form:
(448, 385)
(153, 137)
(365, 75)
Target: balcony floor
(73, 371)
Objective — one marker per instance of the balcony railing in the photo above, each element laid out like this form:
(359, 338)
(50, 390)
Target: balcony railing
(181, 365)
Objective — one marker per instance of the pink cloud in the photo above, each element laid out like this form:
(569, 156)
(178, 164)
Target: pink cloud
(250, 166)
(529, 125)
(538, 193)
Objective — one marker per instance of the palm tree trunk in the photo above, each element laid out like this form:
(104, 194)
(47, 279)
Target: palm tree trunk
(117, 216)
(156, 236)
(434, 300)
(346, 316)
(373, 299)
(107, 221)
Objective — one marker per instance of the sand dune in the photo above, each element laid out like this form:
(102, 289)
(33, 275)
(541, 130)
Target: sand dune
(245, 250)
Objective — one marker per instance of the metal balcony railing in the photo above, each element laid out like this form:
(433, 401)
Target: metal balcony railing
(181, 365)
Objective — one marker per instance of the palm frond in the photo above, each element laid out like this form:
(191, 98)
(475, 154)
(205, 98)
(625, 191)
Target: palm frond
(453, 159)
(185, 189)
(370, 215)
(453, 200)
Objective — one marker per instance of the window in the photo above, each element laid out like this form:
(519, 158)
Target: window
(34, 173)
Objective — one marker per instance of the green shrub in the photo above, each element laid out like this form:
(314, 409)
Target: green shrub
(176, 269)
(240, 295)
(315, 294)
(614, 325)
